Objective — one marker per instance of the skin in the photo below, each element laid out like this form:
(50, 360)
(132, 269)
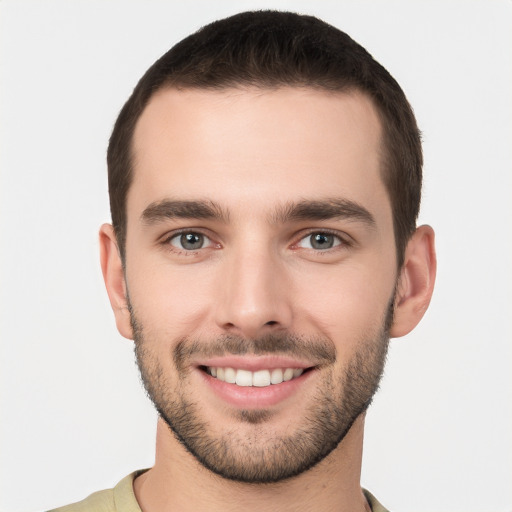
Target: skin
(254, 152)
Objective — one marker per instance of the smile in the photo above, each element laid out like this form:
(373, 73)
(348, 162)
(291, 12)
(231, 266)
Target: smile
(260, 378)
(248, 382)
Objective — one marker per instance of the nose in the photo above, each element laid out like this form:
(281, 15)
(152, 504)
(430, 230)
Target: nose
(254, 294)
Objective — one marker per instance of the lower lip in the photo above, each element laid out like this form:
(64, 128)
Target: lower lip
(253, 397)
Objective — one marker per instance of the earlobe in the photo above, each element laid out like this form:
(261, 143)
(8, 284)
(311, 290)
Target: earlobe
(416, 282)
(113, 275)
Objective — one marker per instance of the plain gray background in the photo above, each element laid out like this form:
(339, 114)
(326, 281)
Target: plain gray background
(74, 418)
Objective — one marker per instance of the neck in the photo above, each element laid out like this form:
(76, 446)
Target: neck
(178, 482)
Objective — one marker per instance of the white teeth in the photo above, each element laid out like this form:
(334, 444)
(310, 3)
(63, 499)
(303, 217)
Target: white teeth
(230, 375)
(276, 377)
(288, 374)
(260, 378)
(243, 378)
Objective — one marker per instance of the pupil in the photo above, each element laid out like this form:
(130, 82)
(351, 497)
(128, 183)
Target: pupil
(191, 241)
(322, 241)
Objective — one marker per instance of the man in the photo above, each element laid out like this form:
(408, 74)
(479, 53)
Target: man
(265, 180)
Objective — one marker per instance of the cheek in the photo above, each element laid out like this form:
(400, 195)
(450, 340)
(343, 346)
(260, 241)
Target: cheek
(169, 298)
(347, 304)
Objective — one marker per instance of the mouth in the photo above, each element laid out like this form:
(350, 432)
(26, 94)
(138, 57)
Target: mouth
(261, 378)
(255, 382)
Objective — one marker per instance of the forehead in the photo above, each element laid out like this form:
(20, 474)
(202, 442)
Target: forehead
(261, 146)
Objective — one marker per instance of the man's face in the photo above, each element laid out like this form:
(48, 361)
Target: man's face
(259, 250)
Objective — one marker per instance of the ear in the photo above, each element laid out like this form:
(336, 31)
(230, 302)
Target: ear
(416, 282)
(113, 275)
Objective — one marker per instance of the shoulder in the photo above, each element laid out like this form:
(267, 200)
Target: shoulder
(120, 498)
(373, 502)
(101, 501)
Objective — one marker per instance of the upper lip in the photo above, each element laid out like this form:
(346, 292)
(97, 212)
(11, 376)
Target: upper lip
(254, 363)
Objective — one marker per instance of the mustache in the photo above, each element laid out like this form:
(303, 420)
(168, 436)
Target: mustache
(319, 350)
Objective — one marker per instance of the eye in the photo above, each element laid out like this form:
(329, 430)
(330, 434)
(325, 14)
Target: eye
(320, 241)
(189, 241)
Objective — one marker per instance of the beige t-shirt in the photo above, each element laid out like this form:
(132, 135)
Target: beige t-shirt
(119, 499)
(122, 499)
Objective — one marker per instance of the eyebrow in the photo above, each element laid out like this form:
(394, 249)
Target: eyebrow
(179, 209)
(325, 209)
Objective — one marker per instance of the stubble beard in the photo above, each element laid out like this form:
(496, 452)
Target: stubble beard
(258, 455)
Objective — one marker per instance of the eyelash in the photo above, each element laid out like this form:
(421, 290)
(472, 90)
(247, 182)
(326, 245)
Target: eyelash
(167, 241)
(343, 241)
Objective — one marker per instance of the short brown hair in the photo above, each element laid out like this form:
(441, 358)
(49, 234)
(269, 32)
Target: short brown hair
(270, 49)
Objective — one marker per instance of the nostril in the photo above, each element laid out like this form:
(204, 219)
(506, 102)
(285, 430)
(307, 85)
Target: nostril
(271, 322)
